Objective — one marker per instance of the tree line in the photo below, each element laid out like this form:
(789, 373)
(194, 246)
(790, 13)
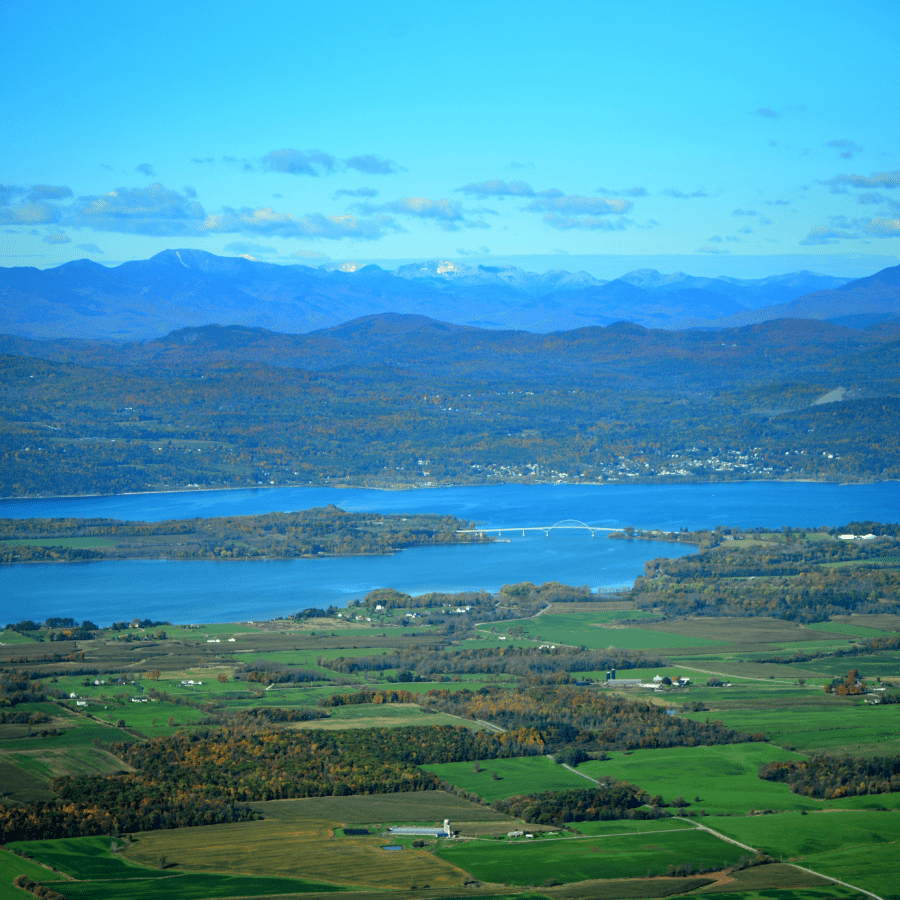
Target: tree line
(832, 777)
(206, 776)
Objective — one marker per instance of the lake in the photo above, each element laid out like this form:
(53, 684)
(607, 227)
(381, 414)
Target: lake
(253, 590)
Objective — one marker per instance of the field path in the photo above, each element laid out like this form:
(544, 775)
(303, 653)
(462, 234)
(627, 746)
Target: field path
(723, 837)
(571, 769)
(732, 675)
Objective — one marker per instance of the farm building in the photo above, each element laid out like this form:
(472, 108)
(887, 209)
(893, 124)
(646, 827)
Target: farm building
(414, 831)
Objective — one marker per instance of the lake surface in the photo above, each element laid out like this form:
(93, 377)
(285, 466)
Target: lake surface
(253, 590)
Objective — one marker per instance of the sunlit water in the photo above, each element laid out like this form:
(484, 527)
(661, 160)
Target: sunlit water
(238, 590)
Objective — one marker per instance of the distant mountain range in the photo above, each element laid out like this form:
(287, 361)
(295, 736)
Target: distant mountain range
(190, 288)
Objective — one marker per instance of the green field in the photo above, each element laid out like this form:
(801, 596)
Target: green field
(98, 873)
(187, 886)
(855, 630)
(8, 636)
(597, 630)
(723, 777)
(301, 846)
(841, 729)
(860, 848)
(568, 860)
(11, 866)
(525, 775)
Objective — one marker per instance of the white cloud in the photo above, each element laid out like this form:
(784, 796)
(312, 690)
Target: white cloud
(497, 188)
(371, 164)
(154, 210)
(299, 162)
(572, 204)
(29, 213)
(589, 223)
(267, 221)
(680, 195)
(883, 180)
(884, 227)
(626, 192)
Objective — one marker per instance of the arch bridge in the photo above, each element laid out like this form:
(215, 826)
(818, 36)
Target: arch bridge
(562, 525)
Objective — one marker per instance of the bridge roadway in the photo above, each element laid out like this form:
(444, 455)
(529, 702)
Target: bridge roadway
(564, 525)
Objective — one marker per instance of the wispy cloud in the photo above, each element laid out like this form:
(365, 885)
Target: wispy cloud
(30, 213)
(681, 195)
(446, 213)
(846, 148)
(569, 204)
(627, 192)
(49, 192)
(315, 163)
(839, 228)
(588, 223)
(744, 212)
(372, 164)
(9, 192)
(273, 223)
(884, 227)
(884, 180)
(37, 207)
(160, 211)
(89, 248)
(155, 210)
(145, 169)
(357, 192)
(56, 239)
(497, 188)
(765, 113)
(299, 162)
(478, 251)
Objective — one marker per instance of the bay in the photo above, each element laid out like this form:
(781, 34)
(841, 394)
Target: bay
(254, 590)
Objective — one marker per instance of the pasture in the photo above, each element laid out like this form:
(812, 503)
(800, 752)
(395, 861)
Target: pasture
(600, 629)
(523, 775)
(724, 777)
(565, 860)
(859, 847)
(813, 728)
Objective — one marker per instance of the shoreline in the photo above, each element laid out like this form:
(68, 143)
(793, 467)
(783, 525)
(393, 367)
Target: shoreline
(432, 486)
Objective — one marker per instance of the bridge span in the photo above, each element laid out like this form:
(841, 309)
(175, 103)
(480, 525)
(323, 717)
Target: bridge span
(564, 525)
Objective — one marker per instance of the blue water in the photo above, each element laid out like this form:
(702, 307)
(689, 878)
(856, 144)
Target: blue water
(239, 591)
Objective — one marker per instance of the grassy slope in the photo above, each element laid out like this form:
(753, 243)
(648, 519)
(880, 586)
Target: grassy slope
(526, 775)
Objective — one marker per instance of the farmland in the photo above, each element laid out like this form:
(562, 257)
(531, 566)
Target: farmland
(630, 789)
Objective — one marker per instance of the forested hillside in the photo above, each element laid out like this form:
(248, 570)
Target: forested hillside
(406, 400)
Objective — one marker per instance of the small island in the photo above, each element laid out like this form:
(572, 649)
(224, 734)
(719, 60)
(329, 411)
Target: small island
(326, 531)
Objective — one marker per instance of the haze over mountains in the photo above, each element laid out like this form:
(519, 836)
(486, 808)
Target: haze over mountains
(189, 288)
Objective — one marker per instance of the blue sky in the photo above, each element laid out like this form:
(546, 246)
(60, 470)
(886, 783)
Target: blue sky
(714, 138)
